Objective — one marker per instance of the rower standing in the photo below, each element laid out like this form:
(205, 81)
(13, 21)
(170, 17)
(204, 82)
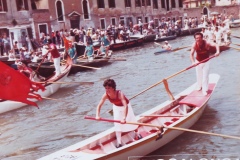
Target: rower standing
(201, 47)
(55, 55)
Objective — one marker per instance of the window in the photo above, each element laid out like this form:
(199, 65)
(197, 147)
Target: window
(85, 9)
(137, 3)
(127, 3)
(102, 23)
(143, 2)
(3, 6)
(148, 2)
(156, 22)
(121, 21)
(22, 5)
(129, 21)
(43, 28)
(155, 4)
(180, 3)
(111, 4)
(146, 19)
(33, 5)
(139, 18)
(113, 21)
(163, 3)
(59, 8)
(173, 3)
(100, 3)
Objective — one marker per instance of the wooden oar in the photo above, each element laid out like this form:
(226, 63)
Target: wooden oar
(194, 65)
(202, 132)
(234, 48)
(81, 83)
(156, 115)
(78, 65)
(116, 121)
(235, 36)
(236, 44)
(177, 49)
(157, 43)
(158, 126)
(117, 59)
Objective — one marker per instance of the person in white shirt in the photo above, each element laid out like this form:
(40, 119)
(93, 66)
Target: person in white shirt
(167, 46)
(218, 35)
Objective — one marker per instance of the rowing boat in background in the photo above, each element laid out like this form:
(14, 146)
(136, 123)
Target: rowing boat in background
(50, 85)
(181, 112)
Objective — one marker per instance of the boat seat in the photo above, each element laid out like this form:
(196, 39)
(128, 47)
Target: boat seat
(196, 98)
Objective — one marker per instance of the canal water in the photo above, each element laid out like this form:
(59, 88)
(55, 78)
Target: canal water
(30, 133)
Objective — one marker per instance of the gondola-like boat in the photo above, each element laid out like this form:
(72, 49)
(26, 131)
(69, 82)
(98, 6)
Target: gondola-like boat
(190, 31)
(166, 38)
(97, 61)
(235, 23)
(50, 85)
(181, 112)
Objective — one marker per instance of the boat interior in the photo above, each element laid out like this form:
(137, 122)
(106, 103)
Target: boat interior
(168, 115)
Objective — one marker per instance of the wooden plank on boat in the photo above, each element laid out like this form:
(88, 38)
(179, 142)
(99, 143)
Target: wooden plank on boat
(196, 98)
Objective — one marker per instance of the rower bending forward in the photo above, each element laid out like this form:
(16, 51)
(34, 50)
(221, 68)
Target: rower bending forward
(122, 110)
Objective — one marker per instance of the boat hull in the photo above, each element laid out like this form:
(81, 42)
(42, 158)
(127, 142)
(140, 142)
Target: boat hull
(100, 147)
(6, 105)
(165, 38)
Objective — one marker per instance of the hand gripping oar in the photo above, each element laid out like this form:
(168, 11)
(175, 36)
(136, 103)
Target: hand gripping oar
(160, 127)
(194, 65)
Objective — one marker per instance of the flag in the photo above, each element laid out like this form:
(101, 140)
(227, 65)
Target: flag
(15, 86)
(66, 43)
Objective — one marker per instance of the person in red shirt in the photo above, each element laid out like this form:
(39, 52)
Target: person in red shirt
(122, 110)
(202, 48)
(55, 56)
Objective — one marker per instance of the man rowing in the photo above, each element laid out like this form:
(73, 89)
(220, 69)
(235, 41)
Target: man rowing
(202, 47)
(167, 46)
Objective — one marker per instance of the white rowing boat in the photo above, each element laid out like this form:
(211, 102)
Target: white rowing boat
(182, 112)
(50, 88)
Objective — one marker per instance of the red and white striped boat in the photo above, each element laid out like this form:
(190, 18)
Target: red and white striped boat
(6, 105)
(182, 112)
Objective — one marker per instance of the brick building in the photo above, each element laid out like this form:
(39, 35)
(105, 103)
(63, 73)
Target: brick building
(101, 13)
(21, 18)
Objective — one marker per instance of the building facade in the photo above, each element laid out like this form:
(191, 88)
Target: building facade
(101, 13)
(20, 19)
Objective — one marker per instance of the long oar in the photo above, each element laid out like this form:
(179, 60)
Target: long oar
(194, 65)
(156, 115)
(158, 126)
(234, 48)
(177, 49)
(116, 121)
(236, 36)
(81, 83)
(78, 65)
(236, 44)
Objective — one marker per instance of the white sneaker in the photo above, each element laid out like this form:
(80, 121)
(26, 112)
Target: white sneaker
(204, 93)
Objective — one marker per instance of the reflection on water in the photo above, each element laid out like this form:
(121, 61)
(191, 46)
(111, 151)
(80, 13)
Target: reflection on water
(31, 133)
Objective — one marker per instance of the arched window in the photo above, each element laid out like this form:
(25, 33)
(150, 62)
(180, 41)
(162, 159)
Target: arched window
(59, 8)
(85, 9)
(205, 11)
